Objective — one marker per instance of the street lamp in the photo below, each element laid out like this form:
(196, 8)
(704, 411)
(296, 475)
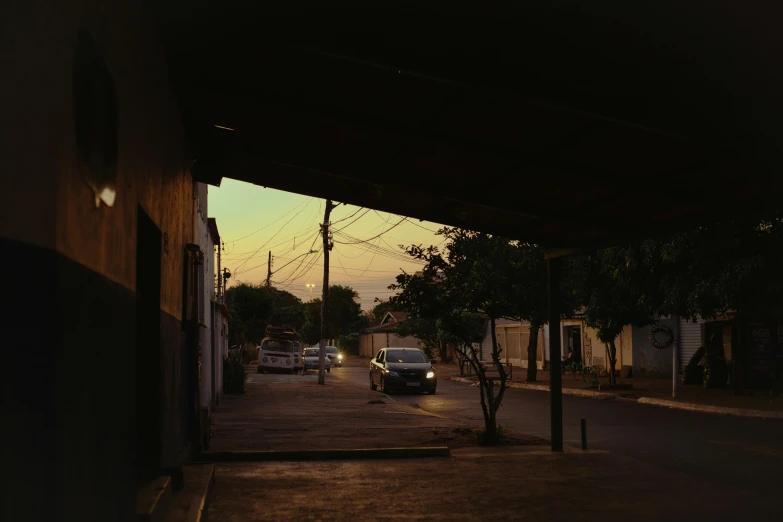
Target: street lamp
(310, 286)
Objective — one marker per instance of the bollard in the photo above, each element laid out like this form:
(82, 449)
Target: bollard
(584, 434)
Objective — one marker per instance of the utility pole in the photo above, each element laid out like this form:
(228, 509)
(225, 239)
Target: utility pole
(310, 286)
(325, 294)
(269, 270)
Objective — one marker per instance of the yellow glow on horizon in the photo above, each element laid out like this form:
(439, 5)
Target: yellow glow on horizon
(253, 220)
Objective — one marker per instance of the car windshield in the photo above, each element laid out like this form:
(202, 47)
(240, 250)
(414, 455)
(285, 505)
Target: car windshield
(311, 353)
(278, 346)
(406, 356)
(331, 349)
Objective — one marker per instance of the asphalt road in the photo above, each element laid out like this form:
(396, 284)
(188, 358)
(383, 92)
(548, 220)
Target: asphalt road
(745, 453)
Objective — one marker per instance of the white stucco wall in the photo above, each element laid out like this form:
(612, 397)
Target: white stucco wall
(207, 277)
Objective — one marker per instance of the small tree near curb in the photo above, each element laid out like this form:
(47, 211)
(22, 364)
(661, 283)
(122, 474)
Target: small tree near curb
(477, 273)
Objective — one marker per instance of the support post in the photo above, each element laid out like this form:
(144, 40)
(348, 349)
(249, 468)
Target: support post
(554, 266)
(584, 434)
(676, 361)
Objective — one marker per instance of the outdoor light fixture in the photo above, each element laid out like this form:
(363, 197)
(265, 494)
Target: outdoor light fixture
(107, 195)
(95, 120)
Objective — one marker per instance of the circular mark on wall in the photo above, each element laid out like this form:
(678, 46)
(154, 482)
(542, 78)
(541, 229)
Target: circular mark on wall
(661, 336)
(95, 119)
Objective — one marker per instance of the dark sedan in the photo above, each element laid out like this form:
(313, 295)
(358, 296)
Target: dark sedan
(402, 369)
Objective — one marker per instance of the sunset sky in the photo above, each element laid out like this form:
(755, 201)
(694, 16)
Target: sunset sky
(253, 220)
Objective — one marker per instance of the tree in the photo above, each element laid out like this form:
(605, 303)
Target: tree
(345, 312)
(310, 333)
(533, 304)
(616, 290)
(477, 274)
(463, 331)
(427, 331)
(705, 271)
(253, 307)
(362, 322)
(249, 307)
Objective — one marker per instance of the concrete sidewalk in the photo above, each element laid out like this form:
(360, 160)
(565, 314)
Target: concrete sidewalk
(288, 413)
(648, 390)
(480, 484)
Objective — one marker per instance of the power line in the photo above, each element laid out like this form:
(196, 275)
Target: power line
(379, 235)
(371, 259)
(239, 255)
(296, 274)
(302, 261)
(386, 252)
(237, 269)
(352, 222)
(349, 217)
(421, 226)
(288, 238)
(350, 267)
(339, 261)
(272, 223)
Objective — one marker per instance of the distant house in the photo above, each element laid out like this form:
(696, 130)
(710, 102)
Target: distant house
(636, 354)
(374, 338)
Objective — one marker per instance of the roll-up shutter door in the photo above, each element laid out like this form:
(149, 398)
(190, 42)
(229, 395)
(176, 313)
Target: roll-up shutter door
(690, 339)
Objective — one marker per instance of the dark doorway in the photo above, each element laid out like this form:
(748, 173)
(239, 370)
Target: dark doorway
(148, 348)
(574, 341)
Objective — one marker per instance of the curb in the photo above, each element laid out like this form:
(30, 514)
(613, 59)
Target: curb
(330, 454)
(544, 388)
(689, 406)
(675, 405)
(198, 513)
(154, 500)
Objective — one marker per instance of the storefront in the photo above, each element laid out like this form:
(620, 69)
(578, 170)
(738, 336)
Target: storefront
(751, 349)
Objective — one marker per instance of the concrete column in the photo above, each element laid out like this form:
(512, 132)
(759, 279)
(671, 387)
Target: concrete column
(554, 267)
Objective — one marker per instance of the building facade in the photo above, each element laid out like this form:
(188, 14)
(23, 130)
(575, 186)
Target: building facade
(211, 326)
(636, 353)
(96, 227)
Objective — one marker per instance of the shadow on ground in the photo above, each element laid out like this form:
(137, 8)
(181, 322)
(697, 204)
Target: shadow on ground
(508, 483)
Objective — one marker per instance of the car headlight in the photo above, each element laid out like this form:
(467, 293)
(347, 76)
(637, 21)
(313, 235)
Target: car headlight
(339, 356)
(430, 374)
(391, 373)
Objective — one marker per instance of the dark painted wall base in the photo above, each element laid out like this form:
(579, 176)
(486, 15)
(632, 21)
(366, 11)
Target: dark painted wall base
(68, 372)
